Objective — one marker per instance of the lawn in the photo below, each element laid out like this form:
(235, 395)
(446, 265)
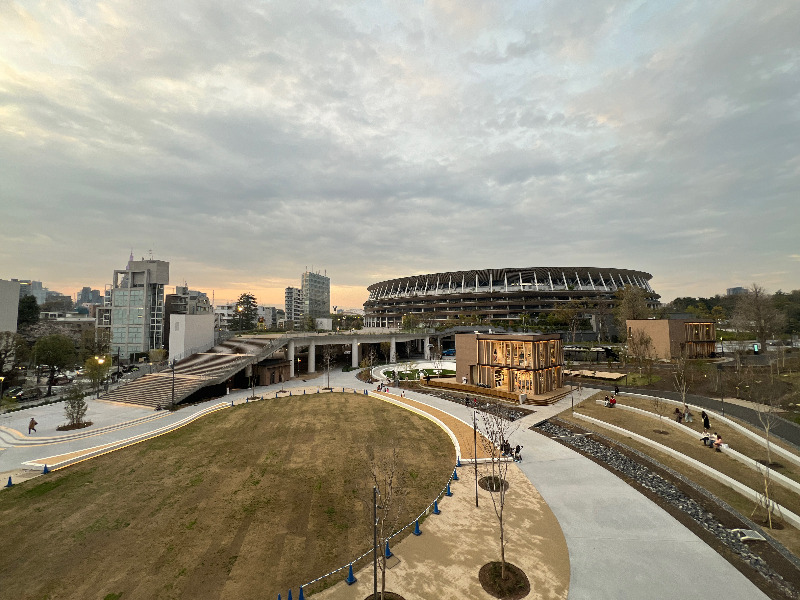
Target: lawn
(246, 502)
(691, 446)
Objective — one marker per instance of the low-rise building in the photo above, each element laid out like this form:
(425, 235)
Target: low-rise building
(528, 364)
(697, 338)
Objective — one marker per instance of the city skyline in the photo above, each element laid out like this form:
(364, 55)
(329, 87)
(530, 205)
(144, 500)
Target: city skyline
(248, 143)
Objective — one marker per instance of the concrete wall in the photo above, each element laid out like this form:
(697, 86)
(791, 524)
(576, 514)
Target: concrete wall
(190, 333)
(9, 305)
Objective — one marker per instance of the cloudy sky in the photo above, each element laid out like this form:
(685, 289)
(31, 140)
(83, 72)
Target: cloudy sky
(246, 142)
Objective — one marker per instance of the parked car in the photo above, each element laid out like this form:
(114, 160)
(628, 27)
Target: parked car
(61, 380)
(12, 392)
(450, 352)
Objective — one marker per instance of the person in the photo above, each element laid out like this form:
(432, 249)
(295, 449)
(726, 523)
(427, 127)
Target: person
(678, 415)
(616, 390)
(606, 401)
(32, 425)
(687, 416)
(705, 438)
(717, 442)
(613, 402)
(706, 424)
(403, 394)
(518, 453)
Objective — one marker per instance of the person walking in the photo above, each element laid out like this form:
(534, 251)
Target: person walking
(32, 425)
(706, 423)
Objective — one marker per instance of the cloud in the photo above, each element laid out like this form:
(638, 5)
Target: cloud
(244, 142)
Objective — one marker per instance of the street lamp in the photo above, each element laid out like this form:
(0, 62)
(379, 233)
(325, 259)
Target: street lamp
(100, 360)
(239, 310)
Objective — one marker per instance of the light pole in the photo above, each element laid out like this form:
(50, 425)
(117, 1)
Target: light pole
(172, 364)
(475, 443)
(239, 310)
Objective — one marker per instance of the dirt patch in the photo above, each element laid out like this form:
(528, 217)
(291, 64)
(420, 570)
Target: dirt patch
(74, 427)
(266, 495)
(492, 483)
(514, 586)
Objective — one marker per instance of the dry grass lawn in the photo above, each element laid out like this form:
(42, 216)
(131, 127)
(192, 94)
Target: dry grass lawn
(692, 447)
(246, 502)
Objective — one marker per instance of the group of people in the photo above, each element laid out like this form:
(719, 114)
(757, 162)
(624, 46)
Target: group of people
(505, 450)
(712, 440)
(684, 416)
(610, 402)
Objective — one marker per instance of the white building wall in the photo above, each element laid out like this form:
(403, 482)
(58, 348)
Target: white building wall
(189, 334)
(9, 305)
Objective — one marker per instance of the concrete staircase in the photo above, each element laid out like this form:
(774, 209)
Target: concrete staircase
(196, 372)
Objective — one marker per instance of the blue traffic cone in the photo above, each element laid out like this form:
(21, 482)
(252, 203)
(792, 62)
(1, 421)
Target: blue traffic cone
(436, 510)
(350, 577)
(458, 461)
(9, 484)
(290, 392)
(416, 528)
(455, 475)
(45, 471)
(304, 393)
(279, 597)
(301, 596)
(388, 553)
(448, 492)
(289, 597)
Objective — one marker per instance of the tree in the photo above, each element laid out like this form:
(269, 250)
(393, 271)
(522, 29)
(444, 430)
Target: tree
(631, 305)
(680, 376)
(497, 429)
(571, 314)
(13, 352)
(57, 352)
(410, 322)
(75, 406)
(245, 315)
(640, 348)
(28, 312)
(768, 418)
(97, 368)
(389, 496)
(756, 312)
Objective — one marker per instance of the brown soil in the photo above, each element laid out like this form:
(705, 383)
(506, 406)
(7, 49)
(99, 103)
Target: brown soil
(386, 596)
(513, 587)
(266, 495)
(492, 483)
(729, 519)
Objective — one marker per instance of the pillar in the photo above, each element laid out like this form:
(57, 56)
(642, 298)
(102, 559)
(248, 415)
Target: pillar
(290, 357)
(427, 347)
(354, 353)
(393, 351)
(312, 356)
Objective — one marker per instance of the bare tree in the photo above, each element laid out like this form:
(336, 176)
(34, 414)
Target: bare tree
(756, 312)
(680, 376)
(497, 429)
(768, 418)
(660, 405)
(389, 501)
(641, 349)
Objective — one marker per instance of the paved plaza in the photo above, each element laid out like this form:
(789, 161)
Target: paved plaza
(620, 544)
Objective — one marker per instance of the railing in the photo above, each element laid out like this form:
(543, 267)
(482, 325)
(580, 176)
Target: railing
(413, 523)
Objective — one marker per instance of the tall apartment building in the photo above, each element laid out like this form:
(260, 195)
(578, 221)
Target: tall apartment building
(294, 304)
(316, 295)
(137, 307)
(28, 287)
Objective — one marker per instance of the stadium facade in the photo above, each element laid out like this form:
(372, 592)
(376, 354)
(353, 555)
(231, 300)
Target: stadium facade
(497, 295)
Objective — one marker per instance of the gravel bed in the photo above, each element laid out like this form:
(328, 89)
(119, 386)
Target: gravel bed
(671, 494)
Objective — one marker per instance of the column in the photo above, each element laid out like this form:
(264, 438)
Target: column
(393, 351)
(427, 348)
(354, 353)
(312, 357)
(290, 358)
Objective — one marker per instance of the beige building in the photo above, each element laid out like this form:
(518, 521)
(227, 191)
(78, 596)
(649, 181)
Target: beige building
(524, 364)
(670, 337)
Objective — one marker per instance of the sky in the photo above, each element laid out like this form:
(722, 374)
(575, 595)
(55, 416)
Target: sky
(247, 142)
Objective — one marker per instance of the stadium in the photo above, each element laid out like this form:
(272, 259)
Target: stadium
(497, 295)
